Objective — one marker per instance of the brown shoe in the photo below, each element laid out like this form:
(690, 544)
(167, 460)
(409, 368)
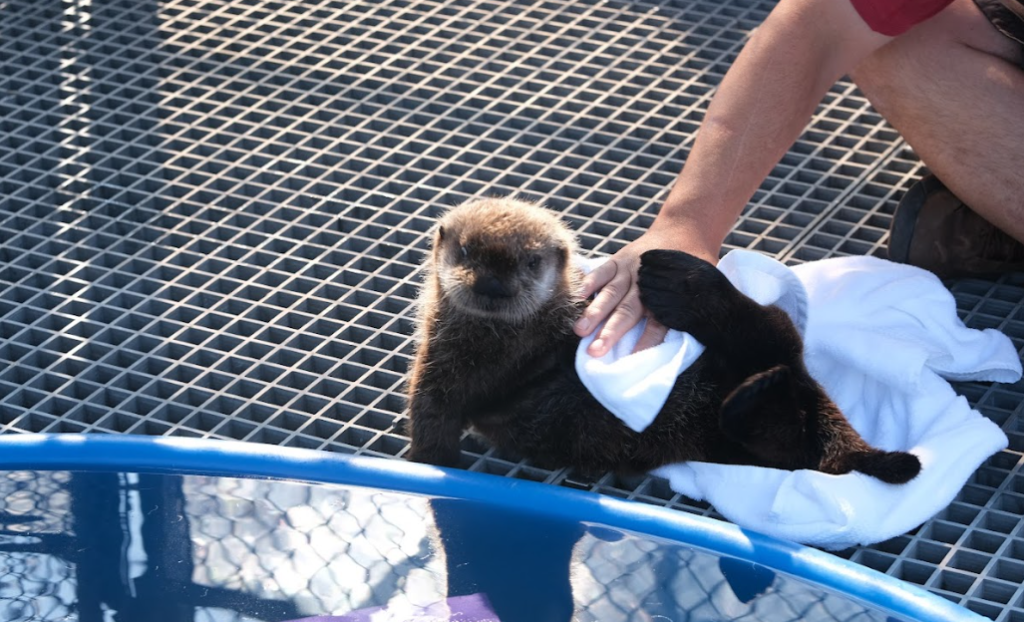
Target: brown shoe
(934, 230)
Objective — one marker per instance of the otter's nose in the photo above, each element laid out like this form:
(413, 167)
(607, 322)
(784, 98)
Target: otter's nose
(492, 286)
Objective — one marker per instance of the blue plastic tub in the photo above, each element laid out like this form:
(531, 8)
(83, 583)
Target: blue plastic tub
(167, 529)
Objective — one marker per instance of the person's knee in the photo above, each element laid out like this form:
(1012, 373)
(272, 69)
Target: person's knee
(961, 24)
(925, 50)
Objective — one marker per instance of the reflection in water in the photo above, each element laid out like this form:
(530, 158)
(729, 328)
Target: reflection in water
(328, 549)
(521, 564)
(127, 547)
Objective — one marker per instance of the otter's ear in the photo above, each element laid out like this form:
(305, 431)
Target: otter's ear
(438, 238)
(435, 246)
(563, 257)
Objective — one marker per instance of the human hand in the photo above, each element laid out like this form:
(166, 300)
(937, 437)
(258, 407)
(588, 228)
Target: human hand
(618, 298)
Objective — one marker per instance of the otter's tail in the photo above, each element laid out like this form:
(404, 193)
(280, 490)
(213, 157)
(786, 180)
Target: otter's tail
(892, 467)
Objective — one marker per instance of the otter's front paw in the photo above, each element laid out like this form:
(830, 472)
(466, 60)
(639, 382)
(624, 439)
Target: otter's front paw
(437, 456)
(684, 292)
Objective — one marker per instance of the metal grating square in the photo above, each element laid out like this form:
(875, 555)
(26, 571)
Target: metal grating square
(212, 214)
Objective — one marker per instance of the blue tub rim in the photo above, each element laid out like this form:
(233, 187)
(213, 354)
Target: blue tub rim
(191, 456)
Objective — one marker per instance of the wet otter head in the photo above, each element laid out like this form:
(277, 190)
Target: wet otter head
(503, 259)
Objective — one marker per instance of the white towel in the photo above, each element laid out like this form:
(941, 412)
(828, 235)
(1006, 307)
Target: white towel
(881, 338)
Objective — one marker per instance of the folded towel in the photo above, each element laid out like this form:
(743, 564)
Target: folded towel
(882, 339)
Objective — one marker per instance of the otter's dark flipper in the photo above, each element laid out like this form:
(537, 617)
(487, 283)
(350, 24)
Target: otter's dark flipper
(759, 405)
(686, 293)
(773, 385)
(892, 467)
(437, 456)
(764, 416)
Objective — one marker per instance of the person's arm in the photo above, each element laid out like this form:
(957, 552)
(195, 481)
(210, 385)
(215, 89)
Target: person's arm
(761, 107)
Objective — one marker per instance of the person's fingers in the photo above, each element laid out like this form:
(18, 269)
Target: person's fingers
(625, 316)
(610, 292)
(599, 277)
(654, 333)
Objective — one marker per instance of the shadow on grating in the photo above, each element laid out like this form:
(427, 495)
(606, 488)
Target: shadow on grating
(212, 215)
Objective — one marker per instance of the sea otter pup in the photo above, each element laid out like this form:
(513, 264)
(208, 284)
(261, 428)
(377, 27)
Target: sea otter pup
(496, 352)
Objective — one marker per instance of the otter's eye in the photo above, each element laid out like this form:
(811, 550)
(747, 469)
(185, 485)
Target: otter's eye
(464, 251)
(534, 262)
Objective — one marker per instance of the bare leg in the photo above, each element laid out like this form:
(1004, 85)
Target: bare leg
(954, 89)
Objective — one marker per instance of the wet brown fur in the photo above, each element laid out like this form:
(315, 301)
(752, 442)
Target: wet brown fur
(496, 352)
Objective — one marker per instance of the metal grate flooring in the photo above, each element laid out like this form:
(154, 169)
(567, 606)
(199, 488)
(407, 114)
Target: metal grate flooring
(212, 214)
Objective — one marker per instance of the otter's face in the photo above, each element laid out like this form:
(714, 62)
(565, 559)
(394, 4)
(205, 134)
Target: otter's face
(505, 278)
